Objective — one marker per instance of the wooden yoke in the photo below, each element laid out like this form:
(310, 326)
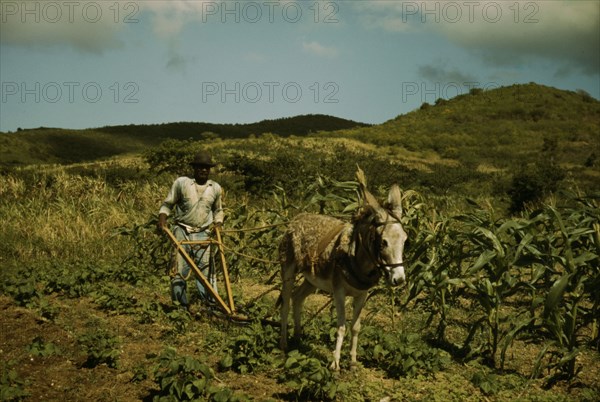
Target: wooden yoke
(228, 309)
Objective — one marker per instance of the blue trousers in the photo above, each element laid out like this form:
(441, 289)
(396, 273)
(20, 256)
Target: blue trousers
(201, 256)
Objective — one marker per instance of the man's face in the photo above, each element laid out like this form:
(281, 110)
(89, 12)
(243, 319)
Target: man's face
(201, 173)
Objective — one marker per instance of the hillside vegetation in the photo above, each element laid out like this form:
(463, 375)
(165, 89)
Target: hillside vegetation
(499, 127)
(56, 145)
(474, 144)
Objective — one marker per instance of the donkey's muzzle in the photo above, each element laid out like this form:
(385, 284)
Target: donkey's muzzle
(395, 274)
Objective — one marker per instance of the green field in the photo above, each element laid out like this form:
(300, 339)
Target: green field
(503, 293)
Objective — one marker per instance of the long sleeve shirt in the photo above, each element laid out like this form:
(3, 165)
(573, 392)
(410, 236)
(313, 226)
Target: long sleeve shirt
(194, 205)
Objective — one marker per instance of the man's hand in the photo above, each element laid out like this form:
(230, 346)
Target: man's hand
(217, 226)
(162, 223)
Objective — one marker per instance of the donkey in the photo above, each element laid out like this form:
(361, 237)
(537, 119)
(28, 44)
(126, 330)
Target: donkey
(342, 259)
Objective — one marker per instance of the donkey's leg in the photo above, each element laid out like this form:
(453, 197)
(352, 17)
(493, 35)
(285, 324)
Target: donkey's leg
(288, 274)
(339, 298)
(357, 306)
(300, 294)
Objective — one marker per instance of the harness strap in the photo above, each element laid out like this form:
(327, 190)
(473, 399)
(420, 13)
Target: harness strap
(361, 283)
(368, 280)
(378, 260)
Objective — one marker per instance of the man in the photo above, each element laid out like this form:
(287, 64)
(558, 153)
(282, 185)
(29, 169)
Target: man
(195, 204)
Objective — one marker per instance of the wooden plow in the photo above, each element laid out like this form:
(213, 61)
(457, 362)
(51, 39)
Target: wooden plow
(227, 306)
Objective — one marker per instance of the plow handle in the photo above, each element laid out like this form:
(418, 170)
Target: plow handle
(199, 273)
(225, 270)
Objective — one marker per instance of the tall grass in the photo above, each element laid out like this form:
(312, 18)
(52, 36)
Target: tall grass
(60, 215)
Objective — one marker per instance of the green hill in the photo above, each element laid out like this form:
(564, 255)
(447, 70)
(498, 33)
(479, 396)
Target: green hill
(56, 145)
(493, 130)
(297, 125)
(497, 128)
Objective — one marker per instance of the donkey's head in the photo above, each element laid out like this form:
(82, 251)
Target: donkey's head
(386, 234)
(389, 238)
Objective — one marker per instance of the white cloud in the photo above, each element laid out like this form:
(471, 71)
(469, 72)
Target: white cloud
(89, 27)
(92, 26)
(502, 33)
(567, 32)
(318, 49)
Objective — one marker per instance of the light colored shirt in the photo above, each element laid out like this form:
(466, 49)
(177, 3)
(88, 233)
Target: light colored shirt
(194, 205)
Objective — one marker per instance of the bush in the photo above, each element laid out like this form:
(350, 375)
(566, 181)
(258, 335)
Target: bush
(172, 156)
(533, 183)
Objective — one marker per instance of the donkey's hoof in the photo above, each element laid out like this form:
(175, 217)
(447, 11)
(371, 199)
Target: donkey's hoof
(335, 366)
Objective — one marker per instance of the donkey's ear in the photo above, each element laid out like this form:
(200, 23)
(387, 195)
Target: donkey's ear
(394, 201)
(368, 199)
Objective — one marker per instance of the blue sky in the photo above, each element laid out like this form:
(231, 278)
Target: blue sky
(85, 64)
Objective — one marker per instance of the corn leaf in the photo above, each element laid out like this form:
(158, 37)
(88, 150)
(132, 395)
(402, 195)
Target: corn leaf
(555, 294)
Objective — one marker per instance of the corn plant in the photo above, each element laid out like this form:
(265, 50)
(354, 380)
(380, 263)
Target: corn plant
(328, 196)
(249, 237)
(548, 260)
(431, 272)
(492, 262)
(567, 304)
(435, 251)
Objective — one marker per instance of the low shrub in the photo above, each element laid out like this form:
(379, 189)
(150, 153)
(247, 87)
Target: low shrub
(309, 378)
(100, 347)
(184, 378)
(252, 349)
(400, 354)
(12, 386)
